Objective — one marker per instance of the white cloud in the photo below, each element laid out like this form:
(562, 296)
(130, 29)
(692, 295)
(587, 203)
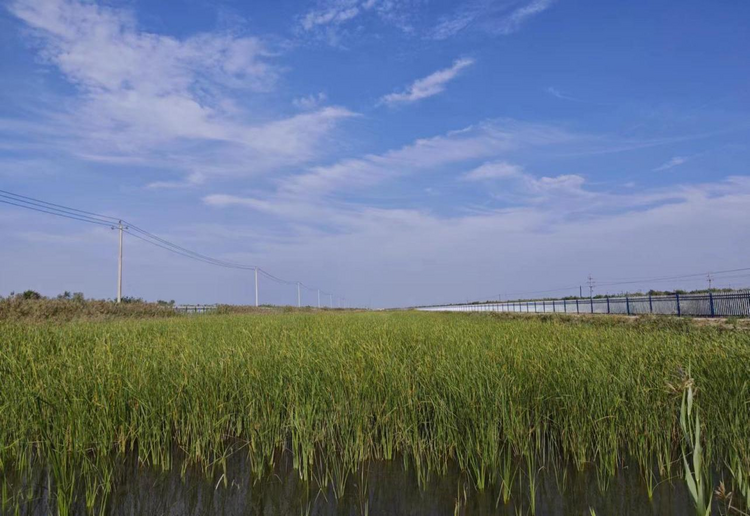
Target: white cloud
(493, 170)
(428, 86)
(404, 256)
(335, 14)
(102, 50)
(193, 179)
(311, 101)
(477, 142)
(674, 162)
(309, 197)
(560, 95)
(513, 21)
(321, 195)
(328, 19)
(165, 101)
(501, 18)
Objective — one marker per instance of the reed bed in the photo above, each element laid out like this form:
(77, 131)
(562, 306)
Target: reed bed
(46, 310)
(475, 391)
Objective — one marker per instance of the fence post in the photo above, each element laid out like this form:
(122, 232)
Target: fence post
(711, 302)
(554, 310)
(565, 306)
(544, 306)
(534, 306)
(608, 304)
(592, 304)
(650, 305)
(627, 304)
(577, 310)
(677, 298)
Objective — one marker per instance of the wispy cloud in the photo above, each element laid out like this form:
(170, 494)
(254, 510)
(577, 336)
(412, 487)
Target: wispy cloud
(190, 181)
(327, 21)
(311, 101)
(493, 170)
(518, 16)
(428, 86)
(558, 94)
(674, 162)
(311, 195)
(166, 101)
(333, 20)
(333, 14)
(490, 138)
(499, 18)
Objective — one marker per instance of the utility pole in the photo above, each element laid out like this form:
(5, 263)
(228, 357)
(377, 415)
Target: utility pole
(580, 291)
(256, 287)
(710, 281)
(591, 286)
(299, 297)
(120, 228)
(318, 298)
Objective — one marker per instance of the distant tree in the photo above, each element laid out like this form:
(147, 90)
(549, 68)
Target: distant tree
(78, 296)
(31, 294)
(64, 295)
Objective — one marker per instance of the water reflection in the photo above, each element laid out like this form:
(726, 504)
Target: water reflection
(379, 488)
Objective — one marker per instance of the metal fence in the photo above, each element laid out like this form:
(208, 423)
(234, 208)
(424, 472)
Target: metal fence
(194, 309)
(724, 304)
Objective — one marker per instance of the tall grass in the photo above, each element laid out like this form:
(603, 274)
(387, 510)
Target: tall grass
(45, 310)
(339, 389)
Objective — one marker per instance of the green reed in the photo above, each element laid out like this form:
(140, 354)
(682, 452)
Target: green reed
(340, 389)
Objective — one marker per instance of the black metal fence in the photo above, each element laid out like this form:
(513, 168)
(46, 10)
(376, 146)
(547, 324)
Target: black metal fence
(195, 309)
(710, 304)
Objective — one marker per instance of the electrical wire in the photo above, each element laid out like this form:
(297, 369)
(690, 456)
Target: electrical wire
(91, 221)
(199, 256)
(59, 210)
(134, 235)
(670, 278)
(25, 198)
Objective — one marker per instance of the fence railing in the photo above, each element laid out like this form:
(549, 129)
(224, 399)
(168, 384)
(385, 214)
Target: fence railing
(710, 304)
(194, 309)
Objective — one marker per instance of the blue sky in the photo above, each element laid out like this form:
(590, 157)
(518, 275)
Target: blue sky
(395, 152)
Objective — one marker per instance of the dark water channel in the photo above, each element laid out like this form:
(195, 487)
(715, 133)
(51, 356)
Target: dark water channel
(379, 488)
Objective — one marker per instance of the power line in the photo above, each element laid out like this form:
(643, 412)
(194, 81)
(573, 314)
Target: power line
(218, 264)
(178, 249)
(33, 200)
(670, 278)
(91, 221)
(550, 291)
(87, 216)
(591, 283)
(59, 210)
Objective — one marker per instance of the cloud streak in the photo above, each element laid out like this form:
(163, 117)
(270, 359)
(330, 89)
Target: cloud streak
(491, 17)
(672, 163)
(493, 170)
(328, 20)
(428, 86)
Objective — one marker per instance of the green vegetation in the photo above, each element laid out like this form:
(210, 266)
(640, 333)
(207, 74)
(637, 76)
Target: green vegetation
(337, 389)
(74, 307)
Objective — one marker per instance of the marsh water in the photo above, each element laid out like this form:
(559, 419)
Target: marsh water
(378, 488)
